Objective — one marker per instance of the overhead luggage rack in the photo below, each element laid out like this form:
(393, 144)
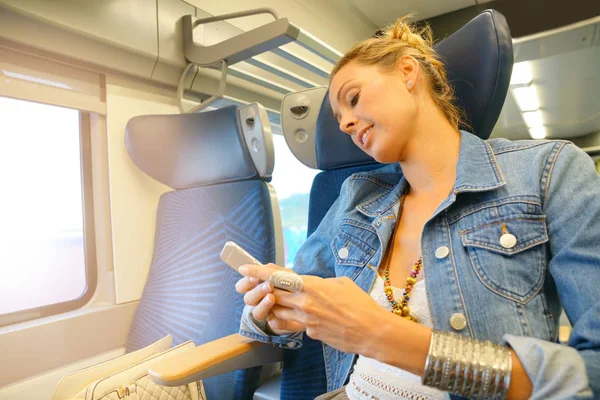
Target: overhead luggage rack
(245, 46)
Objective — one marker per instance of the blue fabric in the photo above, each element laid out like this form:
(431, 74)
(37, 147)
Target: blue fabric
(303, 375)
(190, 293)
(326, 189)
(478, 60)
(545, 193)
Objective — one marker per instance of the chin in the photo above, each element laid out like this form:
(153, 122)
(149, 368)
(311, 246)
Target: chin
(382, 156)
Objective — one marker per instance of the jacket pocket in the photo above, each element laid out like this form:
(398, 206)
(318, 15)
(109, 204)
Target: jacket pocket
(513, 265)
(353, 246)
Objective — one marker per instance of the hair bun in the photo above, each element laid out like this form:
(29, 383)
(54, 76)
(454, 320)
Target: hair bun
(419, 37)
(400, 30)
(414, 40)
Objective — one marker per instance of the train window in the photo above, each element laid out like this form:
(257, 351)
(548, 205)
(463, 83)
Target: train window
(42, 243)
(292, 181)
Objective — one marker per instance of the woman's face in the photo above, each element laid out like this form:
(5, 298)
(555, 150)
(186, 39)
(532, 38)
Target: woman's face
(376, 108)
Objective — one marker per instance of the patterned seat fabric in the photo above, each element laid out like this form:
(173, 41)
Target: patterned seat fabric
(190, 293)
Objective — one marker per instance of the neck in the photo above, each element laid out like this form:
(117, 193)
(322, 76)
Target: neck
(430, 158)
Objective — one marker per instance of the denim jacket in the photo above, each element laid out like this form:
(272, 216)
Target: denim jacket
(544, 193)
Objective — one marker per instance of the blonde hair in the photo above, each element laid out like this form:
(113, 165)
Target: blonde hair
(404, 39)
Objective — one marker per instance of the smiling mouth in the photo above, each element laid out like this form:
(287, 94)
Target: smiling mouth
(364, 135)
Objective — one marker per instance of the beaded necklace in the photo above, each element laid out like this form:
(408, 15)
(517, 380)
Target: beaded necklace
(400, 309)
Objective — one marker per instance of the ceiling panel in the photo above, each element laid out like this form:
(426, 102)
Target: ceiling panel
(568, 87)
(384, 12)
(564, 41)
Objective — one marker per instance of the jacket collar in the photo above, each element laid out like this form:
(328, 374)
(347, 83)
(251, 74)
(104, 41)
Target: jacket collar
(477, 171)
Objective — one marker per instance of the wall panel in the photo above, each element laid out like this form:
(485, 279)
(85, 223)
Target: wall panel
(133, 195)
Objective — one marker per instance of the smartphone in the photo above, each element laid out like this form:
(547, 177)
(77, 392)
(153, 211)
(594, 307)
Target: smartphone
(235, 256)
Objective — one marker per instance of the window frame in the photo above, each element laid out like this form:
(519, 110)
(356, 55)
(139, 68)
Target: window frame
(89, 238)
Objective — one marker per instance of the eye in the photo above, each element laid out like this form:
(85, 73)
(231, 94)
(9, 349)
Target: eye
(354, 100)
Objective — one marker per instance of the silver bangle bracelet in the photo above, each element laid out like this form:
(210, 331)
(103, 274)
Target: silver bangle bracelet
(439, 360)
(488, 360)
(446, 359)
(467, 373)
(432, 363)
(476, 369)
(450, 361)
(467, 367)
(428, 361)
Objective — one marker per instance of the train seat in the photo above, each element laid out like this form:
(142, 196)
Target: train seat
(219, 164)
(478, 59)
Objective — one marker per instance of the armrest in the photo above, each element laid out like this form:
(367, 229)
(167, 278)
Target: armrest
(213, 358)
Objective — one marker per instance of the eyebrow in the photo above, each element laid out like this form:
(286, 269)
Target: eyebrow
(339, 93)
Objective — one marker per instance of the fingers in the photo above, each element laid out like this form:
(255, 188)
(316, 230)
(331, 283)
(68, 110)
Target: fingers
(263, 300)
(287, 314)
(262, 309)
(246, 284)
(262, 272)
(288, 299)
(256, 295)
(280, 326)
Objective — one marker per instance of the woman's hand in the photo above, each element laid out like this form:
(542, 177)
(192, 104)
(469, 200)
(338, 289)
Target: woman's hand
(334, 310)
(262, 295)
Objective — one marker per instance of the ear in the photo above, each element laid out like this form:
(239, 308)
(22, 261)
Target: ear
(409, 69)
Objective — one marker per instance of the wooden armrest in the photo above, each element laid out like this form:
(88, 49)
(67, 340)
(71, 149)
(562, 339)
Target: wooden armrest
(213, 358)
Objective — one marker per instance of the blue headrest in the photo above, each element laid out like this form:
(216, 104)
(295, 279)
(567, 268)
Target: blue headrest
(478, 60)
(212, 147)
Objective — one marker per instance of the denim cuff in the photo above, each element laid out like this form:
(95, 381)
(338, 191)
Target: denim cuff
(253, 329)
(556, 371)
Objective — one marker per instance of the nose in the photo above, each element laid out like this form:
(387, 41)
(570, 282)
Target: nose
(347, 123)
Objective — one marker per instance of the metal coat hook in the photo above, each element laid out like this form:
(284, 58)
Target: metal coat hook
(210, 100)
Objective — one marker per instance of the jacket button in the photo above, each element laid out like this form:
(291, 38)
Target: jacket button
(442, 252)
(458, 321)
(291, 345)
(508, 240)
(343, 253)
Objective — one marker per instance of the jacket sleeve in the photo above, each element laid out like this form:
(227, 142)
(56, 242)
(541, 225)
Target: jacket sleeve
(571, 195)
(314, 257)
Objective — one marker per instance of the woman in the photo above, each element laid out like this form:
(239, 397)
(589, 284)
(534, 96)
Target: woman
(485, 239)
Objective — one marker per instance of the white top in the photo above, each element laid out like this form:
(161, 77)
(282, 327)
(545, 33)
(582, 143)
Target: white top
(373, 379)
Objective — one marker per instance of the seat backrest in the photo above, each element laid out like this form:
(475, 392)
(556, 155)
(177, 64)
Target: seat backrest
(219, 163)
(478, 60)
